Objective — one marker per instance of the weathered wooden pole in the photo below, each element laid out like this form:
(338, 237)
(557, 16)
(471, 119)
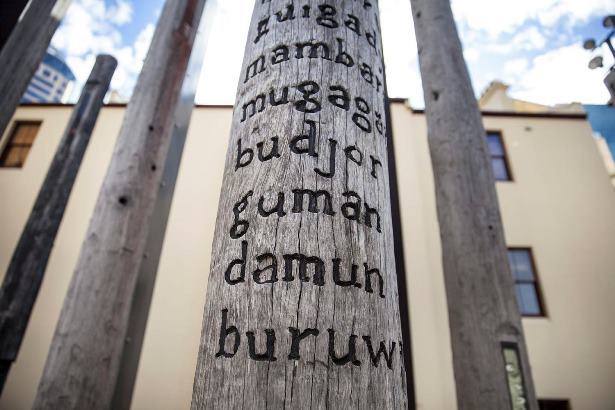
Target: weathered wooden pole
(84, 356)
(483, 314)
(27, 267)
(24, 50)
(302, 304)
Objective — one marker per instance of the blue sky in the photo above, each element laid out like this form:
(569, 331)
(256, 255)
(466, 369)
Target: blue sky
(532, 45)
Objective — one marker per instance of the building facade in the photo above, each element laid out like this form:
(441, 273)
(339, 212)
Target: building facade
(558, 208)
(51, 81)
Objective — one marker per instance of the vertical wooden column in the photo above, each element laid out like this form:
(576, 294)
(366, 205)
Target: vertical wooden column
(27, 267)
(483, 313)
(84, 357)
(24, 50)
(302, 303)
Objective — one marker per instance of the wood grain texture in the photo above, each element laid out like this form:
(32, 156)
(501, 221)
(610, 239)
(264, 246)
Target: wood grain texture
(482, 308)
(275, 336)
(83, 360)
(24, 50)
(29, 261)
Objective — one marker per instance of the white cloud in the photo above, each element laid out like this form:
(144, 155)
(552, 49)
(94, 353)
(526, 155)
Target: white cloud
(90, 28)
(561, 76)
(528, 39)
(120, 13)
(516, 67)
(496, 17)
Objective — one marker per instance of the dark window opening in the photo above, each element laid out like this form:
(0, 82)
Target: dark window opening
(499, 160)
(527, 288)
(18, 146)
(553, 404)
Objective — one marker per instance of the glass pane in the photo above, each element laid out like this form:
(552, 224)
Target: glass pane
(500, 172)
(495, 145)
(25, 134)
(528, 299)
(521, 264)
(14, 157)
(514, 377)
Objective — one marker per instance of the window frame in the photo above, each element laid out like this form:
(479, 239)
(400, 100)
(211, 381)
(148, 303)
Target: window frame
(500, 134)
(543, 401)
(6, 144)
(537, 285)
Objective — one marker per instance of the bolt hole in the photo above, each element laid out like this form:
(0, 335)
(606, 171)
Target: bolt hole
(490, 227)
(151, 128)
(154, 167)
(123, 200)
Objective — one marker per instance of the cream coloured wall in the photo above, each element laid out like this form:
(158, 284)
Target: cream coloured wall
(561, 204)
(18, 190)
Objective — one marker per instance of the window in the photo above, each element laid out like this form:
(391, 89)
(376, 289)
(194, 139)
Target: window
(553, 404)
(514, 376)
(19, 143)
(526, 283)
(499, 162)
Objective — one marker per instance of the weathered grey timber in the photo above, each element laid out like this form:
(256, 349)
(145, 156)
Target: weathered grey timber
(29, 261)
(302, 303)
(146, 280)
(85, 352)
(24, 50)
(482, 309)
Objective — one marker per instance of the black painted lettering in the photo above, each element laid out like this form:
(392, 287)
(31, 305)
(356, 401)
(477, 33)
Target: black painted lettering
(368, 217)
(349, 357)
(331, 172)
(279, 101)
(388, 357)
(241, 161)
(274, 152)
(269, 355)
(241, 277)
(342, 56)
(254, 107)
(261, 29)
(255, 68)
(371, 39)
(280, 54)
(272, 266)
(310, 138)
(378, 122)
(304, 261)
(366, 72)
(353, 154)
(289, 15)
(375, 162)
(325, 18)
(297, 337)
(313, 48)
(353, 23)
(337, 275)
(352, 210)
(277, 209)
(359, 118)
(341, 100)
(368, 280)
(224, 333)
(313, 196)
(308, 104)
(240, 226)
